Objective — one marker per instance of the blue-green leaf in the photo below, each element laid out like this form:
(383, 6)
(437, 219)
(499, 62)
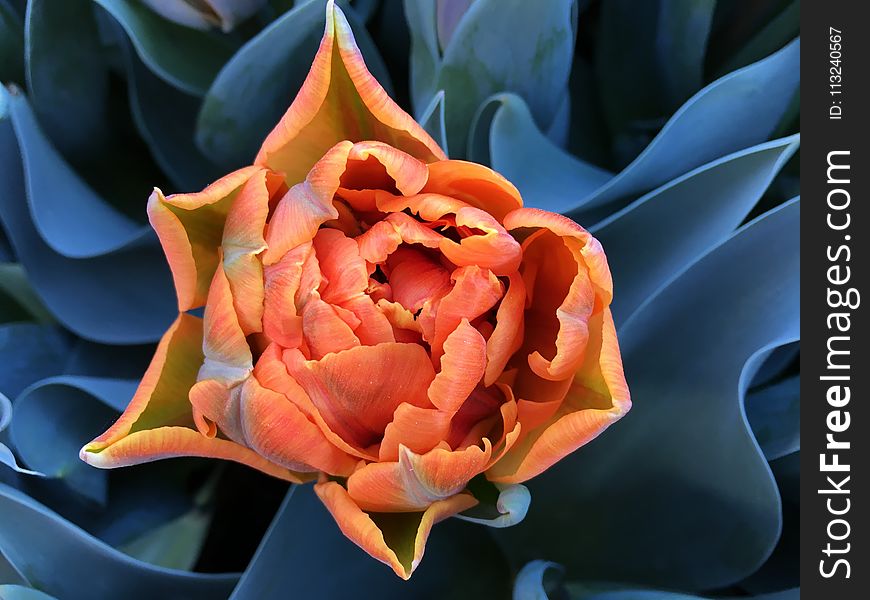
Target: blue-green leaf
(681, 494)
(730, 113)
(54, 417)
(254, 89)
(680, 221)
(6, 456)
(68, 75)
(650, 59)
(186, 58)
(166, 119)
(18, 302)
(432, 120)
(530, 582)
(509, 506)
(774, 414)
(287, 558)
(475, 65)
(69, 563)
(28, 353)
(122, 297)
(20, 592)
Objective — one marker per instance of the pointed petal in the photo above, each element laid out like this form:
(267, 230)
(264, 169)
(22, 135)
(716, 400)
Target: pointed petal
(190, 227)
(396, 539)
(340, 100)
(597, 398)
(158, 422)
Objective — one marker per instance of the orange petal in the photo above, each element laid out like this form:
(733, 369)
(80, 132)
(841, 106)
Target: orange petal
(495, 249)
(276, 429)
(419, 429)
(396, 539)
(475, 185)
(474, 292)
(271, 372)
(563, 287)
(507, 337)
(357, 390)
(190, 227)
(307, 205)
(340, 100)
(219, 404)
(376, 165)
(416, 480)
(340, 263)
(281, 321)
(158, 422)
(228, 357)
(416, 279)
(598, 397)
(462, 367)
(325, 330)
(242, 241)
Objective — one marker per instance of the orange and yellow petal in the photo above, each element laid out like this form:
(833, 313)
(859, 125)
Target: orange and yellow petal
(340, 100)
(417, 428)
(396, 539)
(190, 228)
(416, 481)
(598, 397)
(507, 337)
(228, 357)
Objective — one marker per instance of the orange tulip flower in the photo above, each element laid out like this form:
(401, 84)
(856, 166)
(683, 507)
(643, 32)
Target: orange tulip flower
(379, 319)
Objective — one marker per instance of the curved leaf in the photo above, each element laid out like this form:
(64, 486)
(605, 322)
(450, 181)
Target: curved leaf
(52, 418)
(499, 505)
(6, 456)
(67, 74)
(18, 302)
(186, 58)
(29, 352)
(254, 89)
(432, 120)
(681, 494)
(680, 221)
(70, 564)
(475, 64)
(287, 558)
(734, 112)
(530, 582)
(20, 592)
(774, 414)
(123, 297)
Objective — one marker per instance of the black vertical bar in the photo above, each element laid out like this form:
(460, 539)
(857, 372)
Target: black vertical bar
(835, 363)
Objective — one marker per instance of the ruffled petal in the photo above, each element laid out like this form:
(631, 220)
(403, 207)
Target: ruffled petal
(281, 321)
(228, 357)
(418, 429)
(307, 205)
(190, 227)
(396, 539)
(507, 337)
(242, 242)
(340, 100)
(474, 184)
(416, 480)
(598, 397)
(462, 368)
